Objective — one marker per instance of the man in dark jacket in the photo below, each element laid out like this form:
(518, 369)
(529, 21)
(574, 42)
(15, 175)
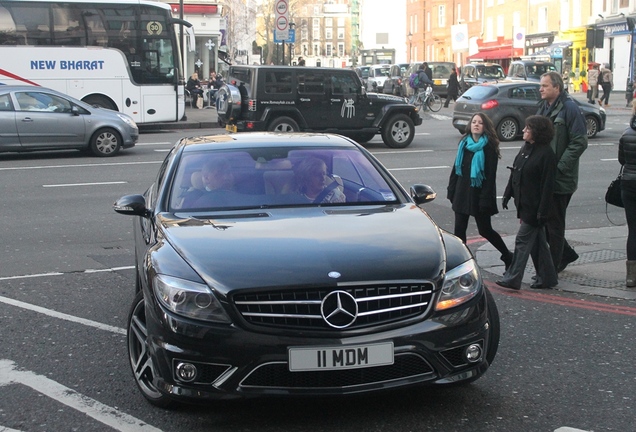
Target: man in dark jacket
(568, 144)
(423, 82)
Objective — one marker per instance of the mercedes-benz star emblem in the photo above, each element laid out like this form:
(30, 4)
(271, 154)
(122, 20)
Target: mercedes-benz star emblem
(339, 309)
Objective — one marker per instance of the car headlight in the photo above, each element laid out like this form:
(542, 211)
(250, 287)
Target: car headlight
(460, 285)
(129, 121)
(189, 299)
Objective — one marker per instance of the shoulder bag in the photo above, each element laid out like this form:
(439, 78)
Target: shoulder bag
(613, 194)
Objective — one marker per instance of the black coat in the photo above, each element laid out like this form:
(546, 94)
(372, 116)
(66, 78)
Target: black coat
(627, 151)
(453, 84)
(470, 200)
(531, 182)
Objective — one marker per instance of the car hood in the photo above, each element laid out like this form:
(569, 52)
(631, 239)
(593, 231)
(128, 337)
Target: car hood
(301, 247)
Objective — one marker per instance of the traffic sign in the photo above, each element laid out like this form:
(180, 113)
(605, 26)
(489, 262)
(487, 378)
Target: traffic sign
(290, 39)
(281, 18)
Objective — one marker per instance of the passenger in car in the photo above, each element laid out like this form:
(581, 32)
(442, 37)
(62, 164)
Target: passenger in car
(216, 178)
(314, 183)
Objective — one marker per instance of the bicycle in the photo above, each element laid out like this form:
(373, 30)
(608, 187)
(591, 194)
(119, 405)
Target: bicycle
(427, 98)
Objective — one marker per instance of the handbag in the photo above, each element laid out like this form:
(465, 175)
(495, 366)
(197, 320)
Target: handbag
(613, 194)
(200, 102)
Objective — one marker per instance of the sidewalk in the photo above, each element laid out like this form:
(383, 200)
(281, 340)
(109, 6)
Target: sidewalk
(196, 119)
(600, 269)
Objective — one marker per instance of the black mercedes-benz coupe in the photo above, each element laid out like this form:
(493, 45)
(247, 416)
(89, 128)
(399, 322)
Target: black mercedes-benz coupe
(295, 264)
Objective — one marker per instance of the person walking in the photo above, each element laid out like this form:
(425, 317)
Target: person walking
(627, 158)
(592, 80)
(453, 88)
(607, 83)
(568, 144)
(472, 188)
(531, 184)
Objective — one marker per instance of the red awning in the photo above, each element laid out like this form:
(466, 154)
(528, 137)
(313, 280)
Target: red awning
(496, 54)
(192, 9)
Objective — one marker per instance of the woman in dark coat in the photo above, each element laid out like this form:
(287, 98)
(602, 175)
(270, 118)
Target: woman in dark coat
(472, 186)
(531, 184)
(453, 88)
(627, 158)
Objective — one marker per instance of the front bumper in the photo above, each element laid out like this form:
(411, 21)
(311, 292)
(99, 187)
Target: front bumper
(236, 361)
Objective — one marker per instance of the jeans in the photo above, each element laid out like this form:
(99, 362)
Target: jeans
(628, 193)
(607, 89)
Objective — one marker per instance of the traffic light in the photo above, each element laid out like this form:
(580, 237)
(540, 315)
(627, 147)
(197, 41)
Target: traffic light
(594, 38)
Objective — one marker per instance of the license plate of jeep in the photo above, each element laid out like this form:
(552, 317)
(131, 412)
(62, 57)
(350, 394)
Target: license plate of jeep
(231, 128)
(340, 357)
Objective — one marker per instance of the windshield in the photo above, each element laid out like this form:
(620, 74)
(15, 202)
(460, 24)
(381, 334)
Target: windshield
(490, 71)
(277, 177)
(380, 71)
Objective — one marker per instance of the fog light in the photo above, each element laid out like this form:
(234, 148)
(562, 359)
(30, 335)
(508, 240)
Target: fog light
(186, 371)
(473, 353)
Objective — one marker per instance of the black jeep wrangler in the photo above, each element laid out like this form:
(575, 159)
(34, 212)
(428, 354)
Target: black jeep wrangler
(289, 99)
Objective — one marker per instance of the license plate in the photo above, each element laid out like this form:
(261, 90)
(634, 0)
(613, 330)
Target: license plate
(438, 82)
(340, 357)
(461, 122)
(231, 128)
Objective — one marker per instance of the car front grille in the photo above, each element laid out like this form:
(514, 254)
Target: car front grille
(278, 375)
(377, 304)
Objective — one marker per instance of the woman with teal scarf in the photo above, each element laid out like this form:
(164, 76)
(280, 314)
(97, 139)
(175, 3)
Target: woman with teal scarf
(472, 188)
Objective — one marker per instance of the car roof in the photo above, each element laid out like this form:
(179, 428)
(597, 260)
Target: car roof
(263, 140)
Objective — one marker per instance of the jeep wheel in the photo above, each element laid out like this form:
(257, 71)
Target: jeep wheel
(507, 129)
(283, 124)
(399, 131)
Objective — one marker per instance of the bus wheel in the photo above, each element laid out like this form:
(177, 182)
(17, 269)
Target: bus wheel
(100, 101)
(105, 142)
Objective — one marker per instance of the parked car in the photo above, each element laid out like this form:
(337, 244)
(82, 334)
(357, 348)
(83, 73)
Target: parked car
(529, 70)
(509, 103)
(38, 118)
(377, 75)
(258, 289)
(478, 73)
(363, 74)
(441, 73)
(299, 98)
(397, 75)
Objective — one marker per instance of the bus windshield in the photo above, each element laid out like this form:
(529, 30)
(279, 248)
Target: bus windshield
(58, 45)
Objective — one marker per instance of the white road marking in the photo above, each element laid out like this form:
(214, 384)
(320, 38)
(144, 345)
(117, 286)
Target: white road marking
(102, 413)
(83, 184)
(420, 168)
(609, 160)
(62, 316)
(78, 165)
(60, 274)
(6, 429)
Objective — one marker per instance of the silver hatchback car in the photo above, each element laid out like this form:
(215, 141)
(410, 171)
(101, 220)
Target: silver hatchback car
(38, 118)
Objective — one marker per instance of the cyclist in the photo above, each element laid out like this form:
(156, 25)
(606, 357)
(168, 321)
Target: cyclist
(423, 83)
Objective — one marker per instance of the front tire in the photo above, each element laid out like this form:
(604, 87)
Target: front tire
(283, 124)
(434, 103)
(399, 131)
(106, 142)
(140, 360)
(508, 129)
(592, 126)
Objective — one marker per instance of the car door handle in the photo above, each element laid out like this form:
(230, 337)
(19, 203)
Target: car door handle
(336, 100)
(27, 119)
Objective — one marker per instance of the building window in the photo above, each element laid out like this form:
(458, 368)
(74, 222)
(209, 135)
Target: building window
(341, 22)
(317, 10)
(316, 32)
(316, 22)
(341, 33)
(329, 50)
(328, 22)
(542, 25)
(441, 16)
(341, 51)
(328, 33)
(316, 50)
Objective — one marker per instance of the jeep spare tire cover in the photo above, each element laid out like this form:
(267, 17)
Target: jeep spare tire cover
(228, 103)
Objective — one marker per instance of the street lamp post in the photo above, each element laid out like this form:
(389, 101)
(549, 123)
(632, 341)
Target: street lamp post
(410, 36)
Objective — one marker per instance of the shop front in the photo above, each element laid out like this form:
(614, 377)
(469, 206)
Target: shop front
(208, 28)
(500, 51)
(576, 64)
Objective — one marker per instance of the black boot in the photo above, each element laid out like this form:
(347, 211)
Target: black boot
(507, 260)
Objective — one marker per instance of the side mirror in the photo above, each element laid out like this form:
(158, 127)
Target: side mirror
(422, 193)
(132, 205)
(75, 110)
